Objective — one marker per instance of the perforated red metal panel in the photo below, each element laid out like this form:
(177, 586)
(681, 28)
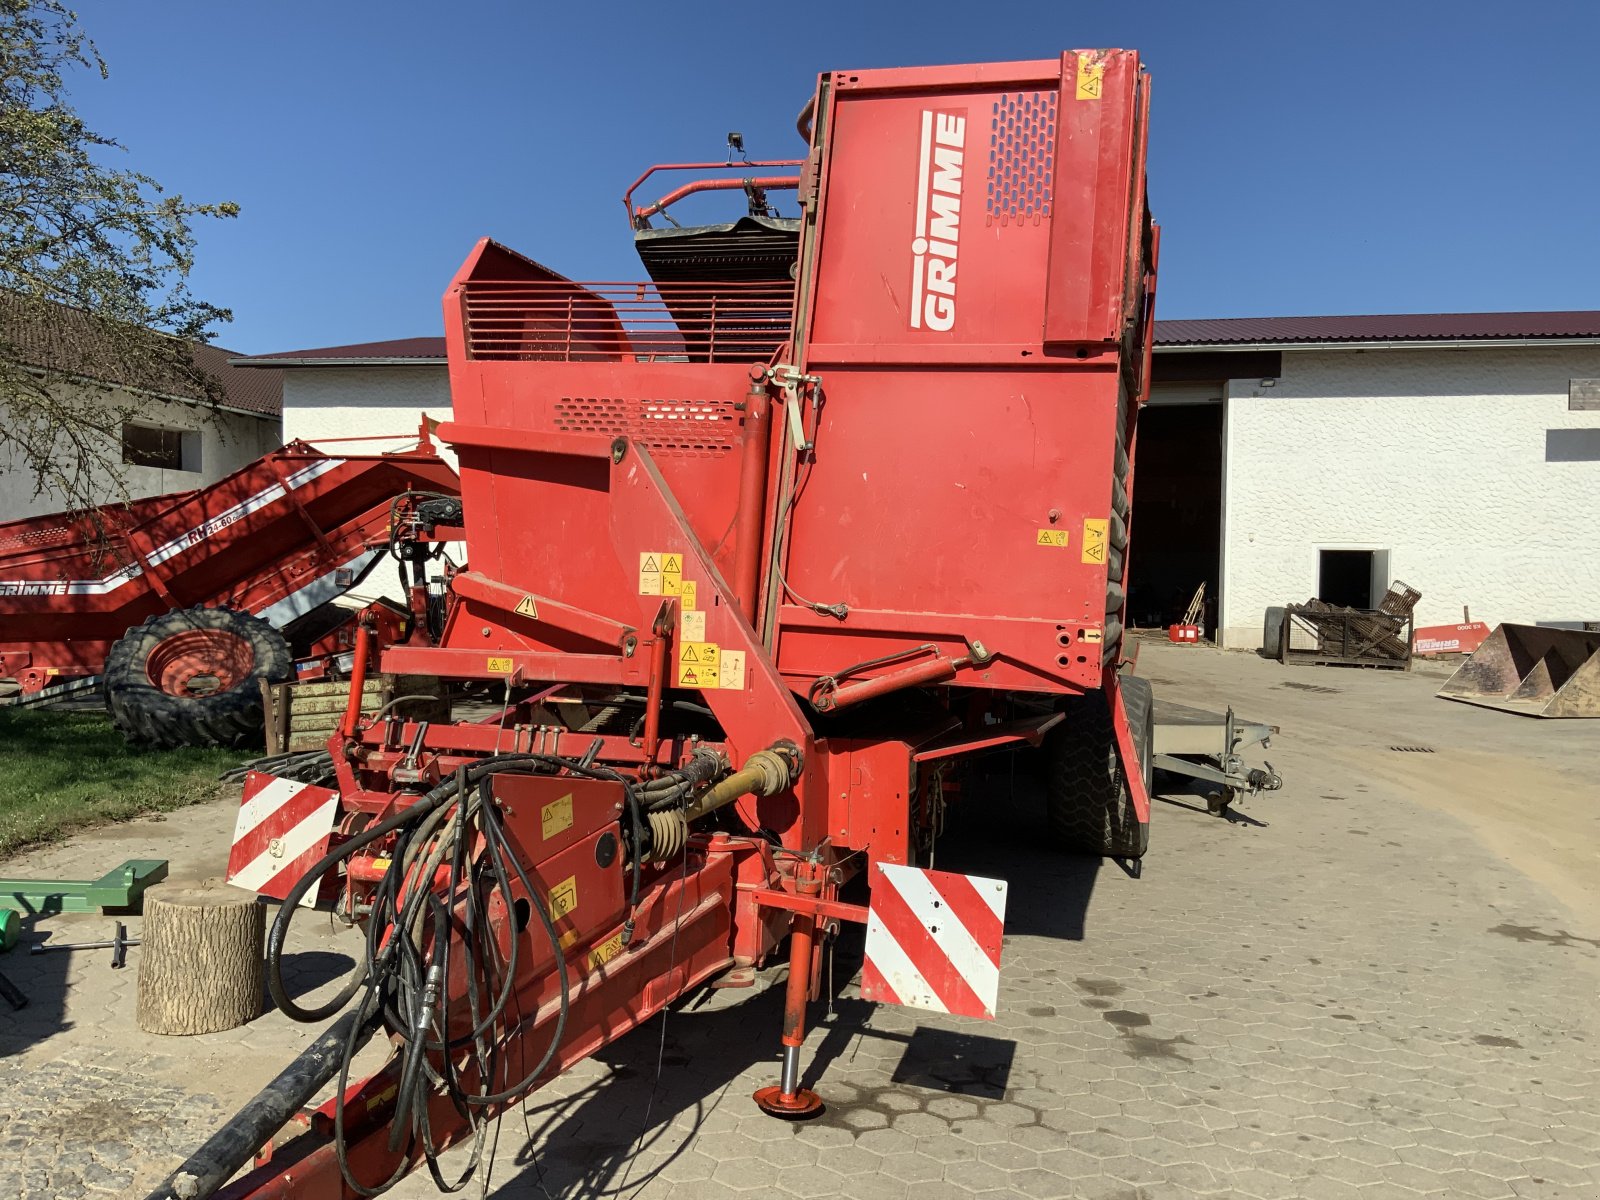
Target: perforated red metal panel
(671, 428)
(1022, 138)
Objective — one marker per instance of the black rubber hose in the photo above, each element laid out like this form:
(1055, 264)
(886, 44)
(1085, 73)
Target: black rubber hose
(369, 1005)
(412, 1091)
(209, 1167)
(540, 905)
(280, 926)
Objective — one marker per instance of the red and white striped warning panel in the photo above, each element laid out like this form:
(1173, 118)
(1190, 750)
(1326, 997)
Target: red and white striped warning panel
(933, 940)
(283, 828)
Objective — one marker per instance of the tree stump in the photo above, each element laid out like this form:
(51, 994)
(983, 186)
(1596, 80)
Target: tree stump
(200, 960)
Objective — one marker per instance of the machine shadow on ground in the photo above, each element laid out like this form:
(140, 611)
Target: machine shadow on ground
(616, 1133)
(42, 980)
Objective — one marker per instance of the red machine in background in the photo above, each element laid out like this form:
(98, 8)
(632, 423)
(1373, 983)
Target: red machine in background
(762, 552)
(185, 602)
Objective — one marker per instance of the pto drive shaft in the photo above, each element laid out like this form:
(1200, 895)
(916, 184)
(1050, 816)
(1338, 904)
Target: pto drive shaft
(765, 773)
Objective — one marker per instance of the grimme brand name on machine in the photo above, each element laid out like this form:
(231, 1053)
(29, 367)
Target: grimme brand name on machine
(184, 541)
(938, 235)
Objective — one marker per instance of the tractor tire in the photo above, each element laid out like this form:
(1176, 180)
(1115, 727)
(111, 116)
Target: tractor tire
(193, 678)
(1272, 631)
(1088, 804)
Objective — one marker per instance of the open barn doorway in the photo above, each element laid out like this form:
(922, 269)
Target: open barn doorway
(1177, 512)
(1178, 481)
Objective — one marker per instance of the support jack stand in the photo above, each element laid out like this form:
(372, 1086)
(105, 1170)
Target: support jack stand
(788, 1101)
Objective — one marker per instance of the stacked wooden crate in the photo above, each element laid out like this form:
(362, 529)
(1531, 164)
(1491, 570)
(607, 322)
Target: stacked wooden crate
(303, 716)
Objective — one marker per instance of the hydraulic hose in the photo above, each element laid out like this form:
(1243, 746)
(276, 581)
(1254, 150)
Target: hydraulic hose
(209, 1167)
(404, 988)
(430, 802)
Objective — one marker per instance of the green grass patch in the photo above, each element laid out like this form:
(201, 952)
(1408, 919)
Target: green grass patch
(62, 770)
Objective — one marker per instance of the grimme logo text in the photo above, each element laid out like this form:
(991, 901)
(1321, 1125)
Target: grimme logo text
(938, 235)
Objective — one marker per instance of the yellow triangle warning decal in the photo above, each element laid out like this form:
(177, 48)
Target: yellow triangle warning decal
(673, 564)
(689, 676)
(648, 563)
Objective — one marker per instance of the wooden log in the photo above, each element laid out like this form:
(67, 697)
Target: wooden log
(200, 959)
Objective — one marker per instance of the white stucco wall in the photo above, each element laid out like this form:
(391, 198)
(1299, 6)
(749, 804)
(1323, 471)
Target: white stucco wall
(344, 402)
(1452, 460)
(227, 442)
(383, 403)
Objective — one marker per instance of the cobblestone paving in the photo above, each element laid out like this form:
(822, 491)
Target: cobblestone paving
(1351, 996)
(1239, 1022)
(67, 1127)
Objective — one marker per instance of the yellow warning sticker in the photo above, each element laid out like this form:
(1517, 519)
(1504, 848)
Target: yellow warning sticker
(527, 608)
(568, 938)
(692, 625)
(600, 955)
(1094, 539)
(500, 666)
(555, 817)
(650, 574)
(699, 665)
(671, 574)
(1052, 537)
(564, 897)
(1091, 79)
(688, 594)
(731, 670)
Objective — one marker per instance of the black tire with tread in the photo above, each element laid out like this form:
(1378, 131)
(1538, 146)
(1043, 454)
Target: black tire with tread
(146, 715)
(1272, 629)
(1089, 807)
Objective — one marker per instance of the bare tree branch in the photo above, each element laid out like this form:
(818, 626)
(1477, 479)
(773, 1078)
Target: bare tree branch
(93, 268)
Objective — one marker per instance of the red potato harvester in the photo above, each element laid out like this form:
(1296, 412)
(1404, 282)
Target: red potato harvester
(183, 603)
(762, 552)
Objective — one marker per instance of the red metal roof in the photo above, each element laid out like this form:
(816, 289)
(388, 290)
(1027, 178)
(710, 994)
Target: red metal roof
(419, 348)
(1402, 327)
(1175, 335)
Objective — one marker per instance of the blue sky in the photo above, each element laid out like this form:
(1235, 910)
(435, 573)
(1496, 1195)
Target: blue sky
(1305, 158)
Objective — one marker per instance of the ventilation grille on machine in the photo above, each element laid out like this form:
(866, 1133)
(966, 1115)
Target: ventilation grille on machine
(680, 428)
(39, 539)
(1021, 156)
(559, 321)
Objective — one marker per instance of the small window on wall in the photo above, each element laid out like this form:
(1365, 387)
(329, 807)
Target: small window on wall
(165, 449)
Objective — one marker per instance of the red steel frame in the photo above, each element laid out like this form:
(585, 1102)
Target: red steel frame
(893, 498)
(276, 538)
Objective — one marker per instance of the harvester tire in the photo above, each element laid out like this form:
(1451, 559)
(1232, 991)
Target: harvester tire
(1089, 806)
(193, 678)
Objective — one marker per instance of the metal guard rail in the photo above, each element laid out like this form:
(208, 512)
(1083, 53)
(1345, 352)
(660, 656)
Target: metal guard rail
(561, 321)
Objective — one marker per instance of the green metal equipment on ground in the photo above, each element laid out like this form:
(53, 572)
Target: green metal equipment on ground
(121, 888)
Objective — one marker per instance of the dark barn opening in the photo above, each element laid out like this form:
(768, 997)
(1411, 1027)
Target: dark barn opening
(1177, 514)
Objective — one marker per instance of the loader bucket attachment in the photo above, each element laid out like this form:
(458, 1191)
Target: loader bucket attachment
(1532, 670)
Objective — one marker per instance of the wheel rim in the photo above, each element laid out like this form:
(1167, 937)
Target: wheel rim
(200, 662)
